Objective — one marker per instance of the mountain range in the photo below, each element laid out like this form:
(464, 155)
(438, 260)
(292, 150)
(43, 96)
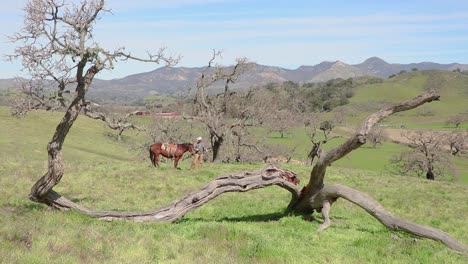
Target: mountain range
(178, 80)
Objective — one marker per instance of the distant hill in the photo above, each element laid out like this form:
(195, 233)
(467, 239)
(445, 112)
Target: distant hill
(338, 70)
(378, 67)
(452, 87)
(178, 80)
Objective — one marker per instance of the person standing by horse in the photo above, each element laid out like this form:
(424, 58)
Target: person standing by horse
(199, 149)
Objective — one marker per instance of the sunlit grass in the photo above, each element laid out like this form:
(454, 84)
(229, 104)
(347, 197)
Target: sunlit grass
(250, 227)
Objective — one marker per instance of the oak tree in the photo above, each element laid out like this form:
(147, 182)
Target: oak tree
(457, 141)
(426, 156)
(57, 48)
(212, 110)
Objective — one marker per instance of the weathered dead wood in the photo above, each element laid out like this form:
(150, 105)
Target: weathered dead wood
(316, 196)
(239, 182)
(330, 193)
(358, 139)
(267, 176)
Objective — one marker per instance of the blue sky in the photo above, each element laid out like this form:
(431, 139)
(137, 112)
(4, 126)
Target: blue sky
(281, 33)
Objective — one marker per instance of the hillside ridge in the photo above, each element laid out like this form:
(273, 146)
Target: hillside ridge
(177, 80)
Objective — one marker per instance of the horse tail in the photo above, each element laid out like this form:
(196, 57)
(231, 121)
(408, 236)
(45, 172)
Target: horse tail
(152, 157)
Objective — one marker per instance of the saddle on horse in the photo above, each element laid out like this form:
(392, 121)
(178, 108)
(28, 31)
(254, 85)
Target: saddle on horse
(171, 148)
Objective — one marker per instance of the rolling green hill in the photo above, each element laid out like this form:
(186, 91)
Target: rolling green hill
(453, 88)
(368, 159)
(235, 228)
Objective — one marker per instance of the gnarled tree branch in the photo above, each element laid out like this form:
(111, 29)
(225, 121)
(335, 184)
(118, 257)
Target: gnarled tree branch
(330, 193)
(239, 182)
(120, 123)
(358, 139)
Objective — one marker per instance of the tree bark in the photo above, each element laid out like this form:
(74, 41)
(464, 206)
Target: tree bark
(314, 152)
(267, 176)
(216, 143)
(329, 194)
(239, 182)
(430, 175)
(54, 149)
(358, 139)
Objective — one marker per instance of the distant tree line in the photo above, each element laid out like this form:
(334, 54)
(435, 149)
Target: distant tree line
(317, 97)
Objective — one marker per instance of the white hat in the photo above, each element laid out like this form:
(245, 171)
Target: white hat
(199, 138)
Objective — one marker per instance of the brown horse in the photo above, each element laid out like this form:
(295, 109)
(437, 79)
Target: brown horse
(175, 151)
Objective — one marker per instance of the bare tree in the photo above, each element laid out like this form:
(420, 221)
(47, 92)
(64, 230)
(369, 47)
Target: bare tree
(245, 146)
(170, 130)
(313, 126)
(280, 121)
(455, 120)
(376, 136)
(212, 110)
(248, 145)
(457, 141)
(426, 157)
(283, 106)
(281, 153)
(315, 196)
(57, 47)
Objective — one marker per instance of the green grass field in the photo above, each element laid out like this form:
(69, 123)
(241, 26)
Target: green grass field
(102, 173)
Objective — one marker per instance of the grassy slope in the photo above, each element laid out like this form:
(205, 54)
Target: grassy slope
(240, 228)
(453, 88)
(366, 158)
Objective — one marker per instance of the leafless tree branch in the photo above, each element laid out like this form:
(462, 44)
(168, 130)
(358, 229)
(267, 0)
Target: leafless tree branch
(120, 123)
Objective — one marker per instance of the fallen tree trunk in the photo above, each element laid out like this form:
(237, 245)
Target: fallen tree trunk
(267, 176)
(239, 182)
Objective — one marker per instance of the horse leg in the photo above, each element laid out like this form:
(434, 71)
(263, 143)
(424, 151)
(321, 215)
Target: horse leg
(152, 157)
(176, 161)
(156, 159)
